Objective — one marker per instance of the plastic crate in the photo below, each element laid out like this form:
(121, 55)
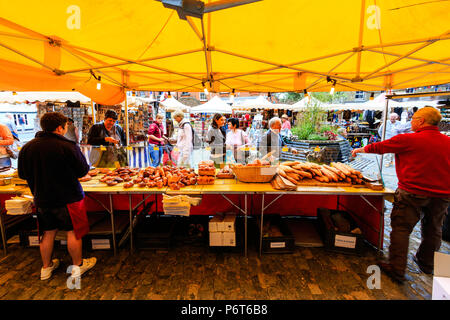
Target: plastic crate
(341, 242)
(154, 232)
(100, 234)
(276, 244)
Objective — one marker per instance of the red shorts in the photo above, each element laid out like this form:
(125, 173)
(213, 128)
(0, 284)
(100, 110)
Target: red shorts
(70, 217)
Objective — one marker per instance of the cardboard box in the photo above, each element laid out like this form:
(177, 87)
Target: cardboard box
(214, 223)
(216, 239)
(228, 223)
(229, 239)
(441, 278)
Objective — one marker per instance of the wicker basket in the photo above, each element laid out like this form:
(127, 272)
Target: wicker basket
(261, 174)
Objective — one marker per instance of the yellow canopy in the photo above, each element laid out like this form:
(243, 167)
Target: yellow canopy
(262, 46)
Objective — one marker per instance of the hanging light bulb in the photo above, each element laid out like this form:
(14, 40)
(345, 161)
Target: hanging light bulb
(205, 90)
(99, 84)
(232, 96)
(333, 87)
(14, 93)
(372, 96)
(169, 95)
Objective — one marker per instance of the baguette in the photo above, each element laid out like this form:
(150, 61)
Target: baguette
(335, 170)
(317, 172)
(286, 168)
(284, 175)
(304, 174)
(322, 178)
(330, 174)
(294, 175)
(348, 179)
(341, 167)
(281, 172)
(353, 171)
(290, 163)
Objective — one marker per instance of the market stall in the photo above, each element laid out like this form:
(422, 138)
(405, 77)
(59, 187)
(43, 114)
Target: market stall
(365, 203)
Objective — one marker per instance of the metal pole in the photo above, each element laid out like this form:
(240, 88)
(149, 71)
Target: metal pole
(3, 231)
(112, 224)
(131, 224)
(386, 109)
(245, 222)
(127, 125)
(261, 230)
(93, 112)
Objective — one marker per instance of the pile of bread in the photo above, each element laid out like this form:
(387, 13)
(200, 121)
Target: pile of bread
(206, 172)
(296, 171)
(159, 177)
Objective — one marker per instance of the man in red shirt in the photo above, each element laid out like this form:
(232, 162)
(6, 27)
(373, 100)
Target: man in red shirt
(422, 163)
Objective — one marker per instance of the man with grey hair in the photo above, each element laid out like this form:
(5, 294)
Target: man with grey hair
(185, 139)
(392, 127)
(271, 141)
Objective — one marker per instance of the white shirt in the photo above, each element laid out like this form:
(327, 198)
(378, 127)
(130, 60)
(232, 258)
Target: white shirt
(184, 138)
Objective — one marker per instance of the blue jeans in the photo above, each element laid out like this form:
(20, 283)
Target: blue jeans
(155, 155)
(5, 162)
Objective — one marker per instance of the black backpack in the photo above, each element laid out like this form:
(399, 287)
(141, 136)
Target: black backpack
(196, 140)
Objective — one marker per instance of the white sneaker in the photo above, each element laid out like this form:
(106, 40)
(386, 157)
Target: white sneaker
(87, 264)
(46, 273)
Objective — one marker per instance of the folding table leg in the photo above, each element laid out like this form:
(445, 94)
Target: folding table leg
(113, 229)
(3, 231)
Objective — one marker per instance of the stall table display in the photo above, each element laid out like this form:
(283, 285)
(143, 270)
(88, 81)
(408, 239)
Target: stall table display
(366, 204)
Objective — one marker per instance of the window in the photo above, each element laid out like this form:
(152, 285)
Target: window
(185, 94)
(410, 90)
(359, 95)
(203, 96)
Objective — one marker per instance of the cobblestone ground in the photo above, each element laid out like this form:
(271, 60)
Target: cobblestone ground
(188, 271)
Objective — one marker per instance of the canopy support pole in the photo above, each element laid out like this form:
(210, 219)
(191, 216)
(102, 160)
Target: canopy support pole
(386, 109)
(361, 32)
(93, 112)
(127, 126)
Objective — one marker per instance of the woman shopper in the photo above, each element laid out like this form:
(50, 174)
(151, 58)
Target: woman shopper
(216, 138)
(185, 140)
(236, 139)
(6, 140)
(156, 141)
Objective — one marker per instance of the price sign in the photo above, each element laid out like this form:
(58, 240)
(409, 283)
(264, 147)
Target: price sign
(208, 148)
(176, 149)
(317, 149)
(285, 149)
(253, 148)
(129, 148)
(155, 148)
(102, 148)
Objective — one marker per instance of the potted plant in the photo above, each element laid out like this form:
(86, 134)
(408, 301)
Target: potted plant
(318, 140)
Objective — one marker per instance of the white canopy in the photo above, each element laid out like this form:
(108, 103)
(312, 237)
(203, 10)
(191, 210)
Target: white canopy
(23, 107)
(259, 102)
(302, 104)
(172, 104)
(42, 96)
(215, 105)
(138, 101)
